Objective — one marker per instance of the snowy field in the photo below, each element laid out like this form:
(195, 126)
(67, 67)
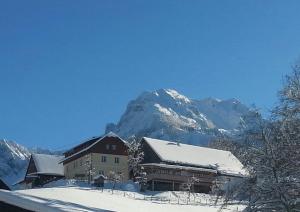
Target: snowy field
(89, 199)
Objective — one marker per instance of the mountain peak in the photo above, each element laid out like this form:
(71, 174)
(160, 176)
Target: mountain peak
(167, 95)
(174, 94)
(167, 114)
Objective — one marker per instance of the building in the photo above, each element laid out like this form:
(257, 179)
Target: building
(3, 185)
(171, 165)
(99, 155)
(42, 169)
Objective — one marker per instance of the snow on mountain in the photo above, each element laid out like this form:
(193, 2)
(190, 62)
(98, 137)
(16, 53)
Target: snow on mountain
(14, 160)
(167, 114)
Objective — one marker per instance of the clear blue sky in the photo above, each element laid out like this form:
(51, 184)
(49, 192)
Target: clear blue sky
(69, 67)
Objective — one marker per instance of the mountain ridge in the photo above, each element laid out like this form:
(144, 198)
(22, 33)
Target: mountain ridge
(167, 114)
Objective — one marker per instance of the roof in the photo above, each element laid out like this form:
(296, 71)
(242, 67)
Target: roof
(173, 152)
(110, 134)
(48, 164)
(83, 144)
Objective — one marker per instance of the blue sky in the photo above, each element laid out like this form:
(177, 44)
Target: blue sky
(69, 67)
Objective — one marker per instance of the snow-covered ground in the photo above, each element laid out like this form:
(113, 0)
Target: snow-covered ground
(72, 197)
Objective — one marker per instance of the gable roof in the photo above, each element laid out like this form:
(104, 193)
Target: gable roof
(93, 143)
(172, 152)
(82, 145)
(48, 164)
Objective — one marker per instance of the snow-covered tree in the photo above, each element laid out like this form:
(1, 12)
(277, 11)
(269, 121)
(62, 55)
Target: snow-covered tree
(89, 170)
(114, 178)
(135, 155)
(189, 185)
(141, 178)
(272, 154)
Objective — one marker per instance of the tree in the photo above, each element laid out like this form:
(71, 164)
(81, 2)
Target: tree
(142, 179)
(189, 185)
(271, 154)
(114, 178)
(89, 170)
(135, 155)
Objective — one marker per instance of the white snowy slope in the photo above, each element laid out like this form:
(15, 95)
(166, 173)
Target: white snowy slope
(85, 199)
(166, 114)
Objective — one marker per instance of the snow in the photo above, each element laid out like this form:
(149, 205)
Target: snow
(223, 161)
(167, 114)
(13, 160)
(16, 151)
(48, 164)
(175, 95)
(163, 110)
(89, 199)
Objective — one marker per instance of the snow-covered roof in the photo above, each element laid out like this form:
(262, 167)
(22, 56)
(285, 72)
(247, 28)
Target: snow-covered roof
(48, 164)
(110, 134)
(173, 152)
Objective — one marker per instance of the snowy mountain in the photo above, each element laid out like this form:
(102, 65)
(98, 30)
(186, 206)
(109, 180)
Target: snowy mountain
(14, 160)
(167, 114)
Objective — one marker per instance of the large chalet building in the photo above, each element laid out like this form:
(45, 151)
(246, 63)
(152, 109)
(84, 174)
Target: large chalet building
(97, 156)
(170, 165)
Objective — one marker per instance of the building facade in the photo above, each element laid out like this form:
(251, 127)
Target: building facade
(174, 166)
(105, 155)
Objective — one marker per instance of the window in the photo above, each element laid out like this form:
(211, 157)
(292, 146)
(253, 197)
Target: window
(107, 146)
(117, 160)
(101, 172)
(103, 159)
(80, 162)
(114, 147)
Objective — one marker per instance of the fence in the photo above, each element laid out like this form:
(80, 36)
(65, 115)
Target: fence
(171, 197)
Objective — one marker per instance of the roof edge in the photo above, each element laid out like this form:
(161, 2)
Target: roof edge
(110, 134)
